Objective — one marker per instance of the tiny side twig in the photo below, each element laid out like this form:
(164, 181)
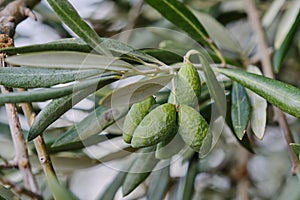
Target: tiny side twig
(9, 164)
(265, 60)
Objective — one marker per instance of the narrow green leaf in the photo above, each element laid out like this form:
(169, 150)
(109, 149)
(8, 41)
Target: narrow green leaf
(272, 12)
(93, 140)
(178, 47)
(7, 194)
(53, 93)
(140, 170)
(285, 34)
(93, 124)
(59, 191)
(177, 13)
(69, 60)
(218, 32)
(124, 49)
(217, 94)
(186, 184)
(77, 44)
(246, 143)
(135, 92)
(24, 77)
(169, 147)
(114, 186)
(58, 107)
(160, 181)
(71, 18)
(240, 110)
(165, 56)
(259, 108)
(283, 95)
(287, 23)
(66, 44)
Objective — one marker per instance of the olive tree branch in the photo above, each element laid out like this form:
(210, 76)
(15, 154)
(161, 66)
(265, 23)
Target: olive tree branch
(20, 190)
(15, 12)
(10, 16)
(18, 141)
(265, 59)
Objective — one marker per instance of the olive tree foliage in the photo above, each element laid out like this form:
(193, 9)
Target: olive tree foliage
(192, 84)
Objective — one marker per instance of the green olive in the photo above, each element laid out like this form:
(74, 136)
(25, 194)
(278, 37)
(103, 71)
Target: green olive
(155, 127)
(135, 115)
(187, 86)
(192, 127)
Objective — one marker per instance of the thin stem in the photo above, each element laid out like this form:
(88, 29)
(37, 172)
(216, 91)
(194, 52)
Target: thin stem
(9, 165)
(39, 143)
(265, 60)
(133, 16)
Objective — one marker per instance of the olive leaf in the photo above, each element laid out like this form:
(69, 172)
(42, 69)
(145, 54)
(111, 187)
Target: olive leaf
(169, 147)
(181, 16)
(66, 44)
(58, 190)
(186, 184)
(218, 32)
(91, 125)
(286, 31)
(24, 77)
(283, 95)
(58, 107)
(6, 194)
(218, 110)
(160, 181)
(53, 93)
(240, 110)
(135, 92)
(77, 44)
(258, 108)
(140, 170)
(68, 60)
(114, 186)
(71, 146)
(71, 18)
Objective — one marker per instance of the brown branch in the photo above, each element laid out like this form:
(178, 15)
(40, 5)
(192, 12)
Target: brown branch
(39, 143)
(18, 141)
(10, 16)
(265, 60)
(243, 180)
(9, 164)
(133, 16)
(20, 190)
(14, 13)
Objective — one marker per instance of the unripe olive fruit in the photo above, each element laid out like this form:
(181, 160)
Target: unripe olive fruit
(187, 86)
(155, 127)
(192, 127)
(135, 115)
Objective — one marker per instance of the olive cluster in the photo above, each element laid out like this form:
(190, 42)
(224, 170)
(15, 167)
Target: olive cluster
(147, 124)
